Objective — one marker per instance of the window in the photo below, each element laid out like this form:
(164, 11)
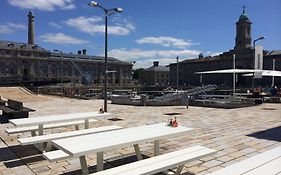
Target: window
(249, 30)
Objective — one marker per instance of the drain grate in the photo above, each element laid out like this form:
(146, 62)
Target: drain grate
(173, 113)
(270, 109)
(115, 119)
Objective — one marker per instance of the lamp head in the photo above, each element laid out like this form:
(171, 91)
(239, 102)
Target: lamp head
(118, 9)
(93, 4)
(262, 37)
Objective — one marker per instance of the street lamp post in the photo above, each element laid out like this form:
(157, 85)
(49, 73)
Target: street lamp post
(107, 12)
(234, 75)
(61, 72)
(273, 68)
(177, 73)
(254, 42)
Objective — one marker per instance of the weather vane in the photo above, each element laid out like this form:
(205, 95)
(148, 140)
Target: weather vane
(244, 7)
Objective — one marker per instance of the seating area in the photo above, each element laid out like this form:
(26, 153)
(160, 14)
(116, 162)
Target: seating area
(80, 143)
(15, 109)
(141, 143)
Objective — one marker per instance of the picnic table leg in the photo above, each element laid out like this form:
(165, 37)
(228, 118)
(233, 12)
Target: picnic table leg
(40, 132)
(49, 146)
(137, 150)
(40, 129)
(99, 161)
(156, 148)
(84, 166)
(179, 169)
(87, 124)
(76, 127)
(33, 134)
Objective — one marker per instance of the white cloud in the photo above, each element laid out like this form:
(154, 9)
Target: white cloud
(144, 58)
(45, 5)
(17, 26)
(56, 25)
(95, 24)
(60, 38)
(166, 41)
(5, 29)
(11, 28)
(210, 53)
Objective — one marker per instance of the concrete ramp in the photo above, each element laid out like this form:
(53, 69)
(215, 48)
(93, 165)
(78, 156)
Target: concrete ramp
(20, 94)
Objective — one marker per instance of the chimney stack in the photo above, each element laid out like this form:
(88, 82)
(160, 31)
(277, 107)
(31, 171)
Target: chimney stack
(84, 51)
(155, 63)
(79, 52)
(30, 28)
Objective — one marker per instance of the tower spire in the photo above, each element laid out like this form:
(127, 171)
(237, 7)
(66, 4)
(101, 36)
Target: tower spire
(244, 8)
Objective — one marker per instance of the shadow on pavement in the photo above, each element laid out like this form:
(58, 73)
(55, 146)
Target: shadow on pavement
(268, 134)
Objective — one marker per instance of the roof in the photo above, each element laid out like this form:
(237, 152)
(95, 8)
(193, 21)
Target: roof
(243, 16)
(158, 69)
(86, 57)
(32, 47)
(274, 52)
(20, 46)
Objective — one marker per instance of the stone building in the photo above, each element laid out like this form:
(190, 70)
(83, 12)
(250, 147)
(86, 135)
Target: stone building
(245, 59)
(26, 63)
(155, 75)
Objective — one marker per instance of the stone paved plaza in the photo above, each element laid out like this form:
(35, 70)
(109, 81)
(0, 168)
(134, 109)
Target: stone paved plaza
(236, 134)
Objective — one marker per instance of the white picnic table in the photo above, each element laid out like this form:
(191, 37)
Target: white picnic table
(40, 121)
(80, 146)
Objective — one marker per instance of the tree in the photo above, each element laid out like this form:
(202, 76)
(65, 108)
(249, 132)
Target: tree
(136, 73)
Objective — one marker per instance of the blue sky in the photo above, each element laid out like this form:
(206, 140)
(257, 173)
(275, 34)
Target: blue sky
(146, 31)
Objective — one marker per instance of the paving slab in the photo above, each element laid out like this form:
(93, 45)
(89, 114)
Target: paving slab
(234, 133)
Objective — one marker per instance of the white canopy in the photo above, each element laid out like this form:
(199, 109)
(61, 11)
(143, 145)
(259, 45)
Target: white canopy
(227, 71)
(272, 73)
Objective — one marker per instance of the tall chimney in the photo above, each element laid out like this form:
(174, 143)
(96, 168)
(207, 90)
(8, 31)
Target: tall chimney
(30, 27)
(155, 63)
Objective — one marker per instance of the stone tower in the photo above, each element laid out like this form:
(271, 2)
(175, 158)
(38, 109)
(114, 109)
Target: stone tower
(243, 32)
(30, 27)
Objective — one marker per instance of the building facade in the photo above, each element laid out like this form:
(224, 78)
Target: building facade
(28, 63)
(155, 75)
(245, 59)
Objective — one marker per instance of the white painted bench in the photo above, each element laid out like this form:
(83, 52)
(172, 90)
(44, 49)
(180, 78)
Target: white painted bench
(62, 118)
(50, 137)
(160, 163)
(32, 129)
(266, 163)
(56, 155)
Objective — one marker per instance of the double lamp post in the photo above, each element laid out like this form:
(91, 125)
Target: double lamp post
(107, 12)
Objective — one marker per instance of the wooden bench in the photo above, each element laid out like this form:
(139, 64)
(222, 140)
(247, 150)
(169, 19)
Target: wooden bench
(15, 109)
(266, 163)
(160, 163)
(49, 137)
(32, 129)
